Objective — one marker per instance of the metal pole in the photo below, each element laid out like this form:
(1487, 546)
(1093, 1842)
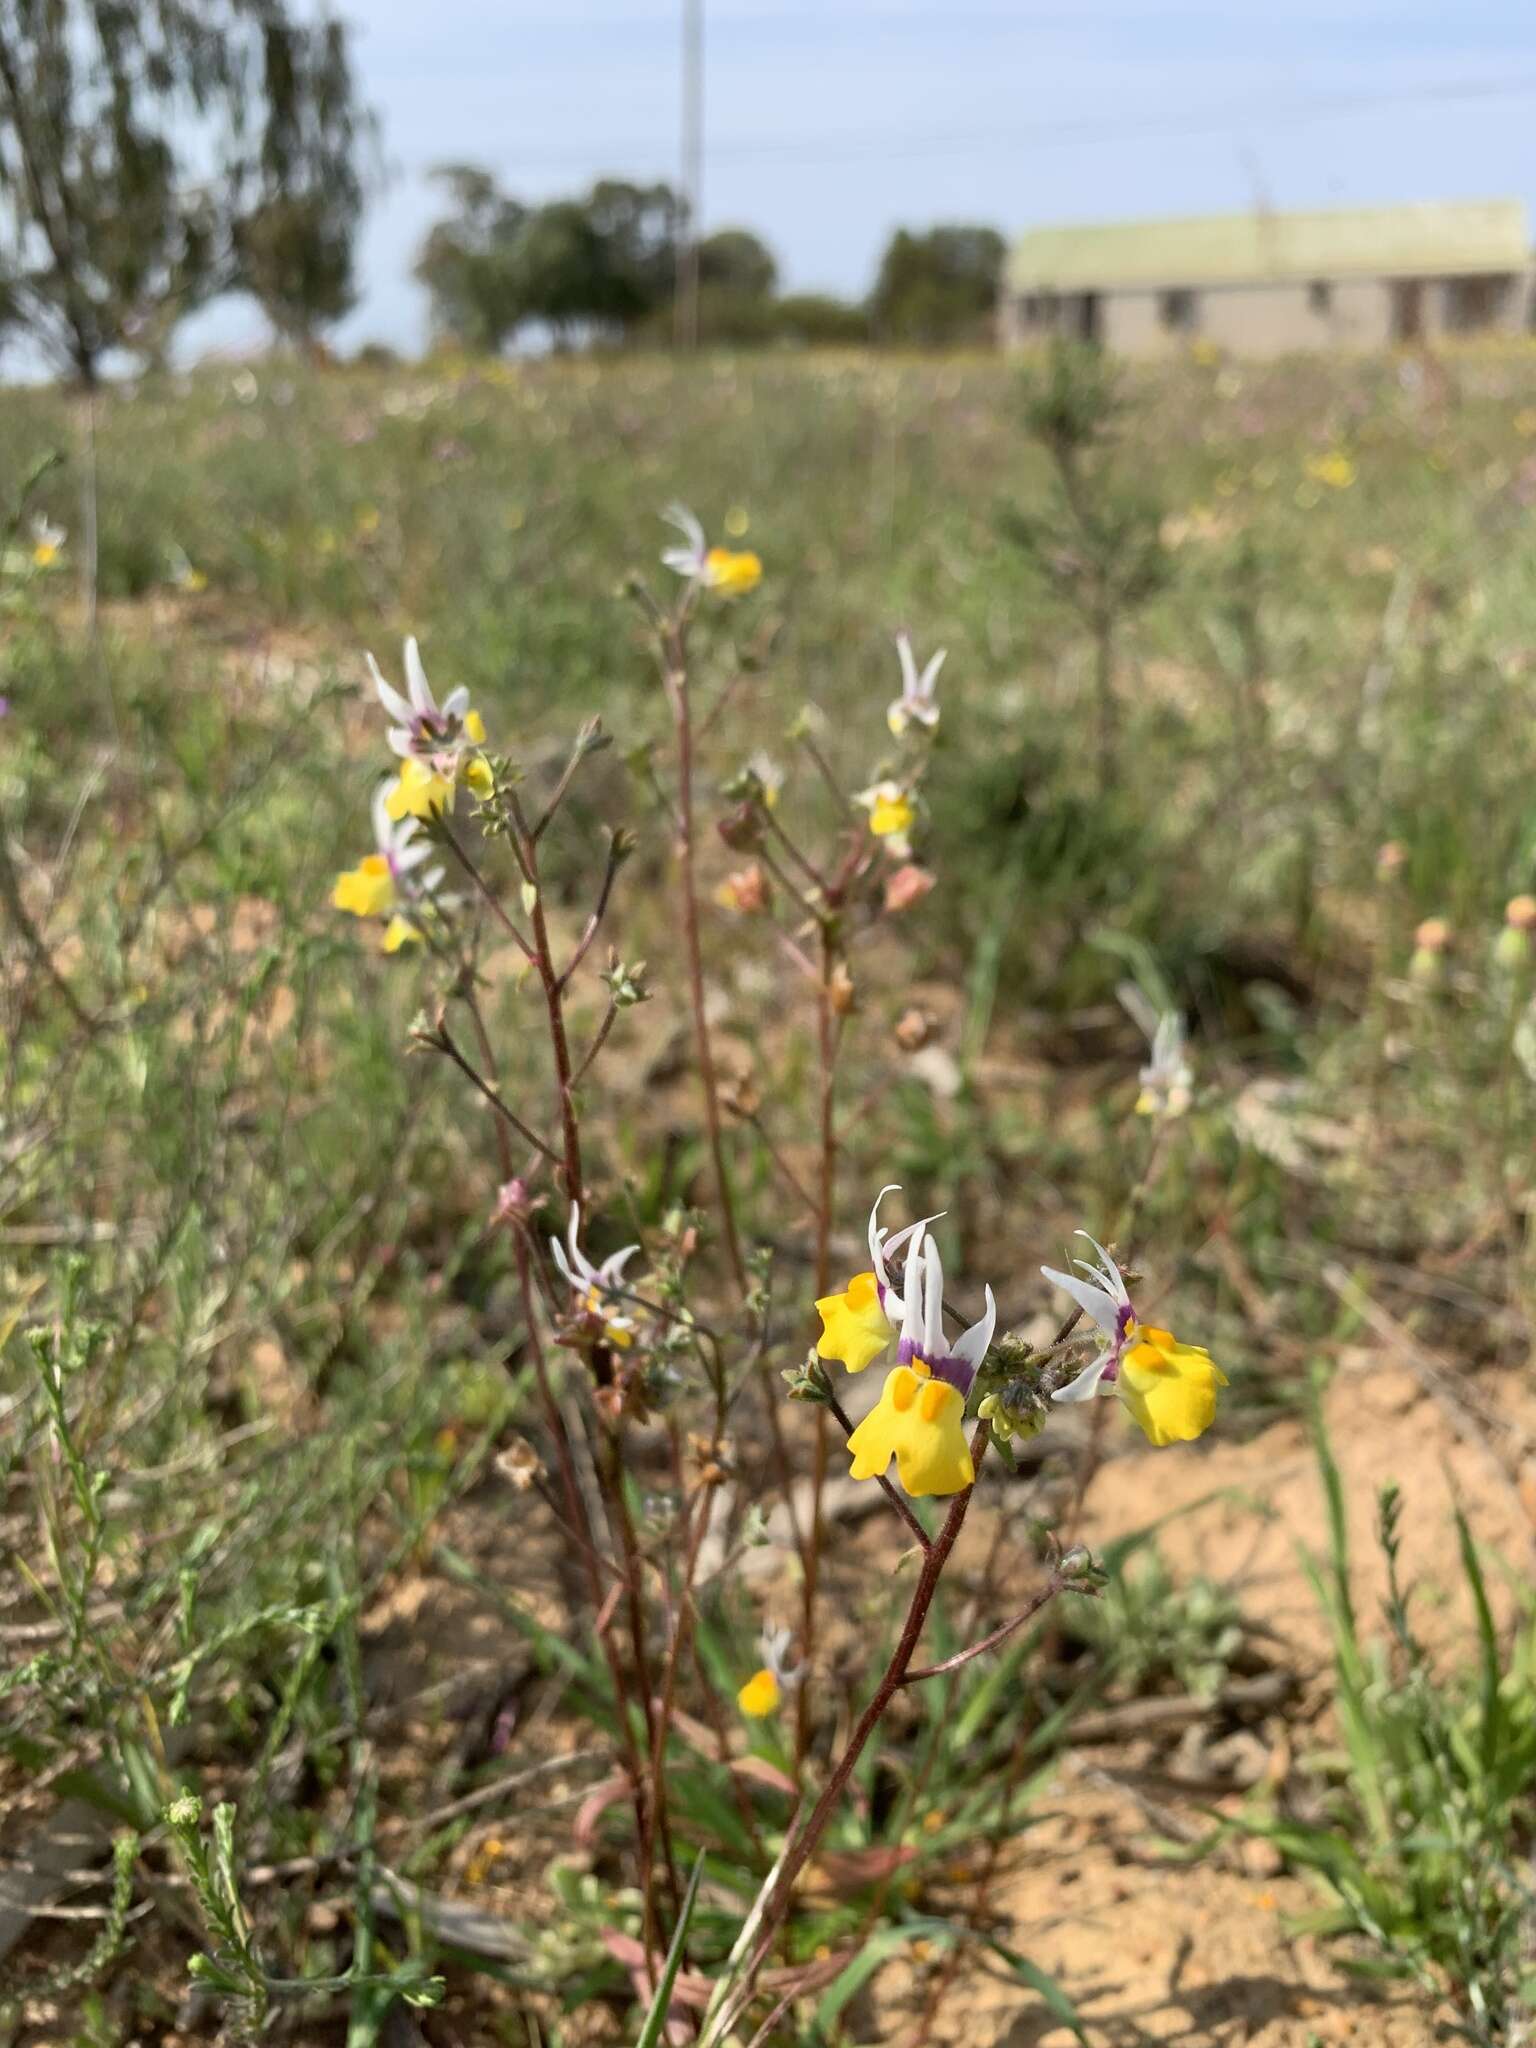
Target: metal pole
(686, 318)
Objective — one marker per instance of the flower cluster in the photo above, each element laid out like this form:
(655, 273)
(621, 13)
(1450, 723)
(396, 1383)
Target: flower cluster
(1170, 1388)
(892, 800)
(437, 743)
(388, 882)
(919, 1418)
(438, 748)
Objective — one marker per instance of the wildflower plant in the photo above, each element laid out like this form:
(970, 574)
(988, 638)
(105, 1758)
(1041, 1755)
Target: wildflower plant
(688, 1330)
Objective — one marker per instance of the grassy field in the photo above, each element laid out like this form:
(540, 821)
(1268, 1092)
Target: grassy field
(267, 1369)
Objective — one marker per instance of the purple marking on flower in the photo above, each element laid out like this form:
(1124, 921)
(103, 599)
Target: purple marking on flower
(955, 1372)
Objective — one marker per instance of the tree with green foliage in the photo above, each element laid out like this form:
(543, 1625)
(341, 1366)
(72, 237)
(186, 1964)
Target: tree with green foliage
(604, 262)
(937, 289)
(737, 261)
(294, 243)
(468, 262)
(142, 145)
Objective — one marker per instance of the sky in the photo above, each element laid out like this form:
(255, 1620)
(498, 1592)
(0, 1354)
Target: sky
(830, 122)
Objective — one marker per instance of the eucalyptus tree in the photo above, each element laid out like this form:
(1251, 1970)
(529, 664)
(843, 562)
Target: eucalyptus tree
(155, 153)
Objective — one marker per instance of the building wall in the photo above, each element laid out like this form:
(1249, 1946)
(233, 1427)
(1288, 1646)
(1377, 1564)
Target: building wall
(1277, 319)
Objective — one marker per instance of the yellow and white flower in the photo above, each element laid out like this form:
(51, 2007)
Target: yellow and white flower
(919, 1419)
(732, 572)
(892, 814)
(1170, 1388)
(596, 1288)
(917, 701)
(1167, 1080)
(47, 541)
(385, 883)
(436, 742)
(764, 1691)
(857, 1326)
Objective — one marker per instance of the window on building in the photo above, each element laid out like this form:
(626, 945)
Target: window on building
(1320, 297)
(1177, 311)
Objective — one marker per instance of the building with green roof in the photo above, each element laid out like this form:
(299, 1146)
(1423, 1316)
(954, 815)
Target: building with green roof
(1267, 283)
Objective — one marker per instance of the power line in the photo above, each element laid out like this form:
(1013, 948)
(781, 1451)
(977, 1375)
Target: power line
(1025, 135)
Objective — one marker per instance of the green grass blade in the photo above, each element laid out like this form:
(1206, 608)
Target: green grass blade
(656, 2018)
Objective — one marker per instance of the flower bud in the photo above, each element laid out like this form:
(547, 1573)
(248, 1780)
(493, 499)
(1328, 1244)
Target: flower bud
(1512, 948)
(741, 828)
(841, 993)
(1391, 860)
(514, 1202)
(746, 891)
(913, 1030)
(1074, 1563)
(908, 885)
(1427, 967)
(1520, 913)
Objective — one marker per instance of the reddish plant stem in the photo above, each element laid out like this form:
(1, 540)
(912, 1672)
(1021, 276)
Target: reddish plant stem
(675, 666)
(576, 1514)
(554, 999)
(826, 1195)
(777, 1905)
(681, 1627)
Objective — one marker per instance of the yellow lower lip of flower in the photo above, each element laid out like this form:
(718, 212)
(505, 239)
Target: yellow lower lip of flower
(760, 1696)
(45, 554)
(478, 776)
(419, 792)
(890, 815)
(368, 890)
(733, 572)
(854, 1329)
(920, 1422)
(474, 725)
(400, 932)
(1170, 1388)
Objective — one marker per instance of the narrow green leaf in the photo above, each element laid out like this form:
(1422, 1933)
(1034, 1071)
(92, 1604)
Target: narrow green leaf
(656, 2018)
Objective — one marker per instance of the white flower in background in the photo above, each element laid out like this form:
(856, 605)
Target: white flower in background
(769, 774)
(730, 571)
(691, 560)
(595, 1286)
(47, 540)
(917, 700)
(1167, 1080)
(892, 814)
(765, 1689)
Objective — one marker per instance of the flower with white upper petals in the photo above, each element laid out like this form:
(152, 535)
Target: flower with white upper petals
(596, 1288)
(765, 1689)
(917, 701)
(857, 1326)
(731, 572)
(435, 742)
(1170, 1388)
(919, 1419)
(387, 882)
